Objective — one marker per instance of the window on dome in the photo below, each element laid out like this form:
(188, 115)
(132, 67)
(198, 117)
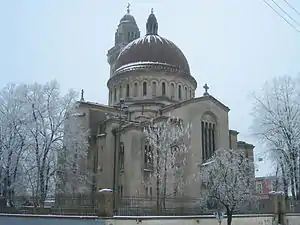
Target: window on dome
(153, 88)
(135, 94)
(179, 92)
(163, 88)
(186, 93)
(120, 92)
(144, 88)
(190, 93)
(127, 90)
(172, 90)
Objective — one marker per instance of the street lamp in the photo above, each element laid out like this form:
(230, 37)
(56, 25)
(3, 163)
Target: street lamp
(121, 106)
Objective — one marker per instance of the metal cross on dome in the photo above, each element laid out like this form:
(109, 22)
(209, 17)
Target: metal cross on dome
(206, 89)
(128, 8)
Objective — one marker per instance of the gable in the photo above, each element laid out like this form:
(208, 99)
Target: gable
(194, 101)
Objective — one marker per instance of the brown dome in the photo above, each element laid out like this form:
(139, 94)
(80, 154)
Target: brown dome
(152, 51)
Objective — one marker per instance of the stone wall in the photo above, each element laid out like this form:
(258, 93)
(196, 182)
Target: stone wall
(263, 219)
(292, 219)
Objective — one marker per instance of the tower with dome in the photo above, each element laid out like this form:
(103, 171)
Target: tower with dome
(150, 78)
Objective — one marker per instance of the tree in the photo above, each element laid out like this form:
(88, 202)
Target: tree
(276, 122)
(228, 180)
(72, 175)
(12, 141)
(168, 141)
(32, 129)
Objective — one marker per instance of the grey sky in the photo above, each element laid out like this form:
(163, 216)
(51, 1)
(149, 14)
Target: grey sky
(232, 45)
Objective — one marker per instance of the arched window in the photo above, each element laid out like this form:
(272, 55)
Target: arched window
(135, 94)
(186, 93)
(172, 90)
(179, 92)
(190, 93)
(121, 156)
(144, 88)
(115, 94)
(163, 89)
(208, 136)
(153, 88)
(127, 90)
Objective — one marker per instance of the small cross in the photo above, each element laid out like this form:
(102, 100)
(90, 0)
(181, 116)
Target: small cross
(128, 8)
(206, 89)
(151, 10)
(82, 98)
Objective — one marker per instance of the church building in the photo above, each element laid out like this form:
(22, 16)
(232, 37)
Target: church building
(150, 78)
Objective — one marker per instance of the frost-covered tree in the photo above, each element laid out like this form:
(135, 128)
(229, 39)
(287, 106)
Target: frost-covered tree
(72, 174)
(277, 123)
(32, 128)
(228, 180)
(12, 141)
(169, 144)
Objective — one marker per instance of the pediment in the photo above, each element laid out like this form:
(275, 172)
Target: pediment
(195, 101)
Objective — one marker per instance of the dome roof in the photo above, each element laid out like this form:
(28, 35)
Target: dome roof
(127, 18)
(152, 50)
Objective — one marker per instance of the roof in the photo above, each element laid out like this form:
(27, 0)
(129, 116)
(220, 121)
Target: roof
(152, 49)
(195, 100)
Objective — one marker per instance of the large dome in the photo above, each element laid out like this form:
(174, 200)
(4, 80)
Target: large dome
(152, 50)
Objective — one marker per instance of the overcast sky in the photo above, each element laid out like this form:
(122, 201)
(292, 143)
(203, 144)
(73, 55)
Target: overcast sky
(233, 45)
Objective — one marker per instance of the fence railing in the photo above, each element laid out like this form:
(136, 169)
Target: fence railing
(148, 206)
(136, 206)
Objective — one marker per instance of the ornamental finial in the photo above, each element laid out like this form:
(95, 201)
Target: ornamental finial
(82, 98)
(128, 8)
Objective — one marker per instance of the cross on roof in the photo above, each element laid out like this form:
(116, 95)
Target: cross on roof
(151, 10)
(206, 89)
(128, 8)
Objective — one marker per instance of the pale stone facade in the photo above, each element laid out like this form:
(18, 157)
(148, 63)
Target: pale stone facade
(150, 76)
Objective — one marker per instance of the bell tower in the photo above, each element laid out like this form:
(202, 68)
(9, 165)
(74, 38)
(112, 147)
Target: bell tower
(127, 31)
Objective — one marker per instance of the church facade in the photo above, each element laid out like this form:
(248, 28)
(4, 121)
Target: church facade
(150, 78)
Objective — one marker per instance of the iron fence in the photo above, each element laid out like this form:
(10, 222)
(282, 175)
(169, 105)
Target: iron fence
(147, 206)
(83, 205)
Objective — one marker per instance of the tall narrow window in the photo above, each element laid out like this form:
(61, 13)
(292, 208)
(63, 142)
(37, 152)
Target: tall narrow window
(144, 88)
(153, 88)
(190, 93)
(121, 156)
(148, 157)
(203, 141)
(163, 89)
(186, 93)
(115, 94)
(127, 90)
(208, 135)
(206, 140)
(135, 90)
(172, 90)
(179, 92)
(210, 139)
(120, 92)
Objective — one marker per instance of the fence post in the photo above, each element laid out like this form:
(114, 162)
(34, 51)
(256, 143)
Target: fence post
(2, 203)
(105, 203)
(278, 206)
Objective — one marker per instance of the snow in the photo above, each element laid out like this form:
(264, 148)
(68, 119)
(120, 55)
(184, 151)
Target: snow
(49, 216)
(105, 190)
